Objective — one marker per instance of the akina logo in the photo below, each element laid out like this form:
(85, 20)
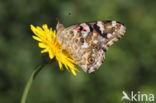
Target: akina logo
(140, 97)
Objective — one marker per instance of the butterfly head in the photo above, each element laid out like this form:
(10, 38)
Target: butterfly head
(59, 27)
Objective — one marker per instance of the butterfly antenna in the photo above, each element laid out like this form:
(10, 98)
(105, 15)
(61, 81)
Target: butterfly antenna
(57, 20)
(57, 26)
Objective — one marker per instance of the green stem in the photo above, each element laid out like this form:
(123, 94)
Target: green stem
(30, 81)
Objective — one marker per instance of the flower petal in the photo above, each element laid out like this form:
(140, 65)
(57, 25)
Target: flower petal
(42, 45)
(51, 55)
(49, 42)
(36, 38)
(44, 50)
(60, 65)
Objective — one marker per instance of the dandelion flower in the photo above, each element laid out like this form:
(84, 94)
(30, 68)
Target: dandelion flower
(49, 42)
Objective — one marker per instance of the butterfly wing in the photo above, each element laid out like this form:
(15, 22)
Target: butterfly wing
(88, 42)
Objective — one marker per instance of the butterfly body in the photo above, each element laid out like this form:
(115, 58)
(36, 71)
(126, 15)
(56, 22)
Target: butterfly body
(87, 42)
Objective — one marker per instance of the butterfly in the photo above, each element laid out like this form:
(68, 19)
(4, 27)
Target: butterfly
(88, 42)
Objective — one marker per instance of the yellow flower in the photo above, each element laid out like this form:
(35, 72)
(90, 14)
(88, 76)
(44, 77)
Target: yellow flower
(49, 42)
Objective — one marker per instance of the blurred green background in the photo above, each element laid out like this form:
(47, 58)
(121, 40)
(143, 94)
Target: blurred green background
(130, 64)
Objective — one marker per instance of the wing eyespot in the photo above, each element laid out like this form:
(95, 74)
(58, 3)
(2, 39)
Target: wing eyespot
(96, 46)
(70, 32)
(82, 40)
(76, 40)
(91, 60)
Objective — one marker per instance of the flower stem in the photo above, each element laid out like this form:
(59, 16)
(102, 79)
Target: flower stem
(30, 81)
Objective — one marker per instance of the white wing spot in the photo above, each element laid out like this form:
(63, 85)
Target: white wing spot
(113, 23)
(85, 26)
(84, 34)
(109, 35)
(85, 45)
(110, 43)
(121, 29)
(99, 24)
(95, 41)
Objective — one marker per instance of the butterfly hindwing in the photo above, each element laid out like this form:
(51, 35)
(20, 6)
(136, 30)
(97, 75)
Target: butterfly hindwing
(88, 42)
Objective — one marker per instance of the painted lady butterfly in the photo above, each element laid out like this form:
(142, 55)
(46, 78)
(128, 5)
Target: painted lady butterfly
(88, 42)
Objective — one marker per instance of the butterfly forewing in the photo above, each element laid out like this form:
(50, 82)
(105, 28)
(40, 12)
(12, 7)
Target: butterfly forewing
(88, 42)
